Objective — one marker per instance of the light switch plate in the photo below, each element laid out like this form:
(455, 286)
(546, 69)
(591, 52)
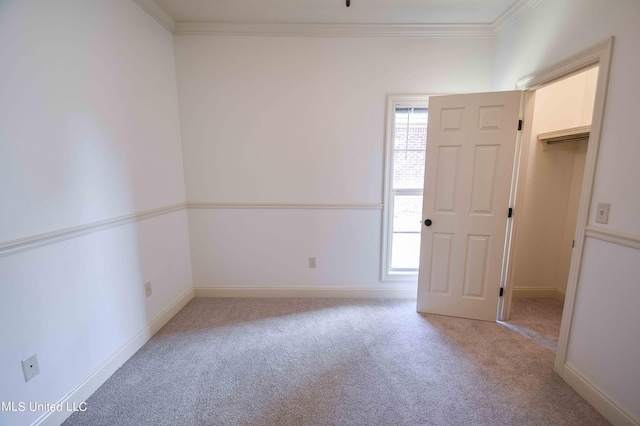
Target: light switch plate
(602, 214)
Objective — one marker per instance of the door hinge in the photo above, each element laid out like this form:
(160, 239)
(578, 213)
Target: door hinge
(501, 291)
(573, 244)
(510, 212)
(519, 124)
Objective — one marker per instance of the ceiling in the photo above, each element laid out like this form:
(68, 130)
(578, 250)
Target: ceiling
(335, 11)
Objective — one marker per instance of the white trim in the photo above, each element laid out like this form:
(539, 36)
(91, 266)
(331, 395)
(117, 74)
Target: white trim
(399, 276)
(599, 55)
(83, 390)
(158, 13)
(595, 396)
(405, 292)
(616, 237)
(291, 206)
(11, 247)
(153, 8)
(570, 66)
(15, 246)
(603, 51)
(512, 14)
(385, 251)
(538, 293)
(335, 30)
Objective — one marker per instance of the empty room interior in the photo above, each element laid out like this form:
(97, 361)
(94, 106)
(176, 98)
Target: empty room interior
(391, 212)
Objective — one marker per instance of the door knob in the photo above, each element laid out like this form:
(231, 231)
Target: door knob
(427, 222)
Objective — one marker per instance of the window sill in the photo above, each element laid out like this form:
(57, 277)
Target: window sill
(399, 276)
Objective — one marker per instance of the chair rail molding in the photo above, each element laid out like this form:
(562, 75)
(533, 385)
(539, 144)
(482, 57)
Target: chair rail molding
(283, 206)
(611, 236)
(27, 243)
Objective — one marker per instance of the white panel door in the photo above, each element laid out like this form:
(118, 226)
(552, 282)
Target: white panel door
(471, 141)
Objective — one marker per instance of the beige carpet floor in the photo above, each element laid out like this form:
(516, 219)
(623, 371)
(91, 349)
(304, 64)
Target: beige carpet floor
(341, 362)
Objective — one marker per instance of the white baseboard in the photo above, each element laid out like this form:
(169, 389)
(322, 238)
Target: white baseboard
(83, 390)
(538, 293)
(404, 292)
(598, 399)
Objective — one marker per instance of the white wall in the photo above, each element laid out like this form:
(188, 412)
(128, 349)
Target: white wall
(551, 191)
(270, 248)
(604, 346)
(301, 121)
(604, 339)
(89, 130)
(573, 205)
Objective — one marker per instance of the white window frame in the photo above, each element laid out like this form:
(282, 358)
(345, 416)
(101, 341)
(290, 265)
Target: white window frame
(394, 101)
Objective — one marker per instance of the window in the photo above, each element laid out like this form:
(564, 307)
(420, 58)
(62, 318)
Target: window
(406, 145)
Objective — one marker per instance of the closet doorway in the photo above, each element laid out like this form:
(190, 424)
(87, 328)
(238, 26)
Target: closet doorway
(552, 169)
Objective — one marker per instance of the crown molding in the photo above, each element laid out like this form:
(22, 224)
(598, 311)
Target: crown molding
(334, 30)
(512, 14)
(158, 13)
(338, 30)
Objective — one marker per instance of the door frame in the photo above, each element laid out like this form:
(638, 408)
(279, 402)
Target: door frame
(597, 55)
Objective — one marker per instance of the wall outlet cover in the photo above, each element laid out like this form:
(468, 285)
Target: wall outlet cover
(602, 214)
(30, 367)
(147, 288)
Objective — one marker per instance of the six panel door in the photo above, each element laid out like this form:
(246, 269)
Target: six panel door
(471, 142)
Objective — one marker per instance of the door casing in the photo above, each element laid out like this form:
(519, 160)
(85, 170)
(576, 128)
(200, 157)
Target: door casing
(599, 55)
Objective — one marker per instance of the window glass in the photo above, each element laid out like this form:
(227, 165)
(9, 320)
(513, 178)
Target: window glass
(404, 202)
(405, 251)
(407, 210)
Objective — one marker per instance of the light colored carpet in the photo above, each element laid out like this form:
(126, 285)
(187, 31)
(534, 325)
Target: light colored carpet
(538, 319)
(341, 362)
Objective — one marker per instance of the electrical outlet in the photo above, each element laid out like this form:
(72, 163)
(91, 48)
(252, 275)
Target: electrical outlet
(147, 288)
(602, 214)
(30, 367)
(312, 262)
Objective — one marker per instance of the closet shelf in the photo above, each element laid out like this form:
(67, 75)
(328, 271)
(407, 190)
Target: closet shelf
(575, 134)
